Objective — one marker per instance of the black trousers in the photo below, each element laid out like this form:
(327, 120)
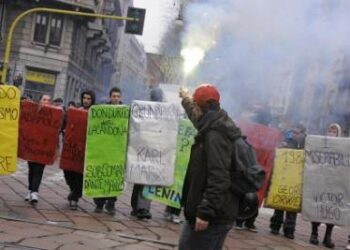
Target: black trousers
(137, 200)
(35, 175)
(100, 202)
(329, 229)
(249, 221)
(75, 182)
(276, 221)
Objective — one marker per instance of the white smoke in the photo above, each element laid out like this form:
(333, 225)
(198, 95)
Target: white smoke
(270, 51)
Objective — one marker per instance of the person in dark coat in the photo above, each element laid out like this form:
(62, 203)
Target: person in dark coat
(210, 206)
(74, 179)
(296, 140)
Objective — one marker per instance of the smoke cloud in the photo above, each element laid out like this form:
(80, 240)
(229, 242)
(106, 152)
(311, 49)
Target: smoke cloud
(281, 53)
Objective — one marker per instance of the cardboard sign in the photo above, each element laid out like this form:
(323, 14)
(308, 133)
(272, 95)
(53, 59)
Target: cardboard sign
(39, 132)
(286, 183)
(73, 151)
(152, 143)
(326, 191)
(9, 117)
(171, 196)
(105, 154)
(264, 140)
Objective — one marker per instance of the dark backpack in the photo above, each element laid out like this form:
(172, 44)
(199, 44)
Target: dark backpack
(247, 175)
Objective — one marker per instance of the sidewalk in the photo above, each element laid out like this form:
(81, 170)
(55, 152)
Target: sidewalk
(52, 225)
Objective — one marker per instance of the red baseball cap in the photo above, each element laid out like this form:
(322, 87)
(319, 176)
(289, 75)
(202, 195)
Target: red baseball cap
(204, 93)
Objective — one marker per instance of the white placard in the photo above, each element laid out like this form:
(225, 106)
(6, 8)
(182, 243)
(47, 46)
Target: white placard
(326, 191)
(152, 143)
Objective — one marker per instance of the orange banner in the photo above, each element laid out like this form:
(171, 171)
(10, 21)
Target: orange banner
(39, 132)
(73, 152)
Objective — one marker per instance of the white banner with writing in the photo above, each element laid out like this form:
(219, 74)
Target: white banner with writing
(326, 191)
(152, 143)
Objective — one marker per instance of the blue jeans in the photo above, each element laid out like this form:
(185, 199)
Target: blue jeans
(211, 239)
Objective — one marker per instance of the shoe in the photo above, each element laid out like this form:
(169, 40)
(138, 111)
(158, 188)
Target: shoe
(347, 247)
(175, 219)
(275, 231)
(239, 226)
(28, 196)
(110, 207)
(143, 214)
(34, 197)
(289, 235)
(98, 209)
(314, 239)
(327, 242)
(251, 228)
(73, 205)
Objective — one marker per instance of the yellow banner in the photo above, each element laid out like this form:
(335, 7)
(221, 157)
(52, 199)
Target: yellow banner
(287, 178)
(41, 77)
(9, 117)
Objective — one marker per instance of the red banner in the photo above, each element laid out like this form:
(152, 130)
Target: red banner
(264, 140)
(73, 152)
(39, 129)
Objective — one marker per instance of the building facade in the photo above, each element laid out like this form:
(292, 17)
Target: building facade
(62, 55)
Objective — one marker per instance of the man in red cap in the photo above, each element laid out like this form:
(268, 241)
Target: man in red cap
(210, 207)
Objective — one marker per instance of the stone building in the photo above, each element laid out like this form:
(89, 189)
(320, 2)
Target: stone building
(62, 55)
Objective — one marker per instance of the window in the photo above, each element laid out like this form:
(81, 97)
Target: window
(48, 29)
(56, 30)
(41, 24)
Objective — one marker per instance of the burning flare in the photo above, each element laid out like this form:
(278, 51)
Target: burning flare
(192, 57)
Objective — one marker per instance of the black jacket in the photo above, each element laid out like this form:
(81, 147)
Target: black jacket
(207, 189)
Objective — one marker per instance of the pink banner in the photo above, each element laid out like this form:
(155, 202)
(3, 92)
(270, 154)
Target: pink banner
(39, 130)
(73, 152)
(264, 140)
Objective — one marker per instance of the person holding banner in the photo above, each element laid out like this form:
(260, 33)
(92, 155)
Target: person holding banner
(74, 179)
(210, 206)
(36, 170)
(115, 96)
(140, 206)
(333, 129)
(295, 141)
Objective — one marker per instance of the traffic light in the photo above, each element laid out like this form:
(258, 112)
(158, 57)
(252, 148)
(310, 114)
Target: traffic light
(135, 27)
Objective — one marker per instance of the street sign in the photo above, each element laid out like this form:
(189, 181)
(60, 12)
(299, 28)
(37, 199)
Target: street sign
(135, 27)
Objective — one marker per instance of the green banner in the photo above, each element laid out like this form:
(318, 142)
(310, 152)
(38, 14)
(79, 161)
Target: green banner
(105, 154)
(171, 196)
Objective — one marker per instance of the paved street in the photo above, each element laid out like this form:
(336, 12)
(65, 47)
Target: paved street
(52, 225)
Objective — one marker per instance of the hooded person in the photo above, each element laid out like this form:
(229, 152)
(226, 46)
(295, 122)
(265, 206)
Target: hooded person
(75, 179)
(210, 206)
(333, 130)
